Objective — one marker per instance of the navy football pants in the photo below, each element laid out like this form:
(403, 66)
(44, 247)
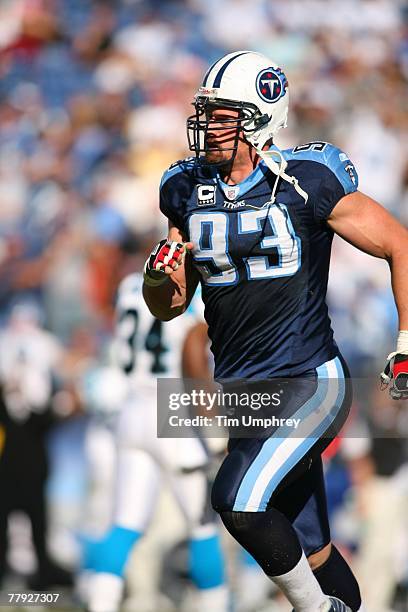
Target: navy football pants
(283, 469)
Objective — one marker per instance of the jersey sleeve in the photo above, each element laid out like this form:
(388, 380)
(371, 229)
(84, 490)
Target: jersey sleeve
(168, 209)
(338, 179)
(173, 188)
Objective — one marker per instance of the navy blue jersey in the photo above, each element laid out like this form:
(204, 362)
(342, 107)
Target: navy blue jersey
(263, 266)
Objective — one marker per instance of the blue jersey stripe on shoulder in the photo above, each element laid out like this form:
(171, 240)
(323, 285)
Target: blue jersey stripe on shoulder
(330, 156)
(176, 169)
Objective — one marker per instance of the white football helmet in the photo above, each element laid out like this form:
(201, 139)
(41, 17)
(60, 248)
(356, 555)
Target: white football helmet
(250, 83)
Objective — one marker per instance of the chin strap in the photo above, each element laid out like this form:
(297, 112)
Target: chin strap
(278, 168)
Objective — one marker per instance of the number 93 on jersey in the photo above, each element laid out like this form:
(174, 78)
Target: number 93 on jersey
(263, 241)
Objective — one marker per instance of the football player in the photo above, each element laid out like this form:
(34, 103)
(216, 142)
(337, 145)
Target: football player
(146, 349)
(254, 225)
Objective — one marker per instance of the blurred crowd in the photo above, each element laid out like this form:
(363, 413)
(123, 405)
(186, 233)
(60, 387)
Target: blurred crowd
(93, 100)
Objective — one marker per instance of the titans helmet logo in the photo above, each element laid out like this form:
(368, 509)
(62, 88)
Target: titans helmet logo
(271, 84)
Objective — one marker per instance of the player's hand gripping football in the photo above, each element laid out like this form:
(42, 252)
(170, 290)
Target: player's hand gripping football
(395, 374)
(166, 258)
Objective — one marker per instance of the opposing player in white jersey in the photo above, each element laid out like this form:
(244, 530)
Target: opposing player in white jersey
(147, 348)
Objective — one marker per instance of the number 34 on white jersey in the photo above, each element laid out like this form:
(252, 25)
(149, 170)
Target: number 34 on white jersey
(145, 347)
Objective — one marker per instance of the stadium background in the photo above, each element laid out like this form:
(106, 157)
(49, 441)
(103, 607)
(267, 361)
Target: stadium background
(93, 101)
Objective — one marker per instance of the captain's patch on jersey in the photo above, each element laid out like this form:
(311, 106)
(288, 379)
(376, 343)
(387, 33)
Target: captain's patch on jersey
(206, 195)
